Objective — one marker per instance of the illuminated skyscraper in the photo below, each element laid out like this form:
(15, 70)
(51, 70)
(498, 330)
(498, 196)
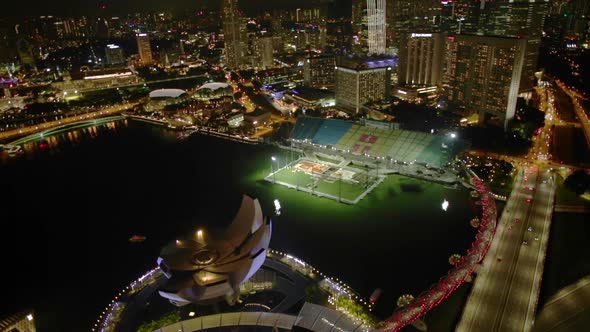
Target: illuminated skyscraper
(376, 26)
(144, 48)
(420, 59)
(265, 50)
(460, 16)
(414, 16)
(114, 54)
(318, 71)
(231, 33)
(483, 74)
(360, 81)
(519, 19)
(371, 31)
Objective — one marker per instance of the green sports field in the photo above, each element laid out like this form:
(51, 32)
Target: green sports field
(348, 189)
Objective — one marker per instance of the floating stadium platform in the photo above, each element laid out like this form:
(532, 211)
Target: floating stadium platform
(395, 144)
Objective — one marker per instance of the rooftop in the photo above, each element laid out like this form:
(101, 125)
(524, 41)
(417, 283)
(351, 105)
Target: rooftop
(167, 93)
(213, 86)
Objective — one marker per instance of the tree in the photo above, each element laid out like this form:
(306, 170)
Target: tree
(165, 320)
(578, 182)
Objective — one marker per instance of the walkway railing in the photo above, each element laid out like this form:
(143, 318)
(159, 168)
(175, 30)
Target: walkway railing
(456, 276)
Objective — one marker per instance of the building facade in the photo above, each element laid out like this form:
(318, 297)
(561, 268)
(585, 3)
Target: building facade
(114, 54)
(232, 33)
(23, 321)
(358, 83)
(318, 71)
(483, 75)
(144, 48)
(414, 16)
(519, 19)
(420, 59)
(371, 28)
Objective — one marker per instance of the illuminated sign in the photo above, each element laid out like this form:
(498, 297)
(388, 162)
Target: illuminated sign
(421, 35)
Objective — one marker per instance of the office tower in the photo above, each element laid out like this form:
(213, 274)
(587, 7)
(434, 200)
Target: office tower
(414, 16)
(359, 82)
(315, 37)
(420, 59)
(318, 71)
(483, 74)
(376, 26)
(144, 48)
(114, 54)
(338, 36)
(576, 12)
(371, 30)
(459, 16)
(554, 29)
(520, 19)
(232, 33)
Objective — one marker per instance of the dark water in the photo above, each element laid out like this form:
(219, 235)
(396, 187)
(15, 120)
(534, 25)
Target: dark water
(68, 211)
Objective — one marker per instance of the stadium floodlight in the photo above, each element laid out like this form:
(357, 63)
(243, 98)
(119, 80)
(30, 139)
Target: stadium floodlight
(453, 135)
(273, 158)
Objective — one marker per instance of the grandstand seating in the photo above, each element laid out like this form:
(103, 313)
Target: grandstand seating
(401, 145)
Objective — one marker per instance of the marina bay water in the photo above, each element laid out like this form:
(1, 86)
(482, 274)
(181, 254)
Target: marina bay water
(73, 201)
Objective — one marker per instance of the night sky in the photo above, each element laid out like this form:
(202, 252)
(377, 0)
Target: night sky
(118, 7)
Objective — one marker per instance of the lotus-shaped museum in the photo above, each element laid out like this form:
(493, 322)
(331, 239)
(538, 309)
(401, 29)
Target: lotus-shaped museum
(211, 264)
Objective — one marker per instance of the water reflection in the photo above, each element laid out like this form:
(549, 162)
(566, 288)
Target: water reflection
(64, 139)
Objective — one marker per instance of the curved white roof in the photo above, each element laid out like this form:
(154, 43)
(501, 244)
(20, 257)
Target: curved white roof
(213, 86)
(167, 93)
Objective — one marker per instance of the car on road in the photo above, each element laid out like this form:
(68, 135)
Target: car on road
(509, 227)
(525, 242)
(528, 200)
(530, 229)
(536, 238)
(499, 259)
(516, 220)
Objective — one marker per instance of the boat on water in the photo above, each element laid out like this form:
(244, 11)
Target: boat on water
(137, 238)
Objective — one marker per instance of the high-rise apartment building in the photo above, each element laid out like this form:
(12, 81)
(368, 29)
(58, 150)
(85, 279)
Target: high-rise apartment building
(483, 74)
(232, 33)
(361, 81)
(144, 48)
(318, 71)
(420, 59)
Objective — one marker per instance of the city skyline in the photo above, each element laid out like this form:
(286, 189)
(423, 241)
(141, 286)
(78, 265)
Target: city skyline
(421, 163)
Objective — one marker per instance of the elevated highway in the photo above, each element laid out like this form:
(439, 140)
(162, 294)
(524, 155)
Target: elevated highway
(506, 291)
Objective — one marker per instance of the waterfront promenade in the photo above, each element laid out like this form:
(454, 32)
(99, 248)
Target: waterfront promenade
(24, 131)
